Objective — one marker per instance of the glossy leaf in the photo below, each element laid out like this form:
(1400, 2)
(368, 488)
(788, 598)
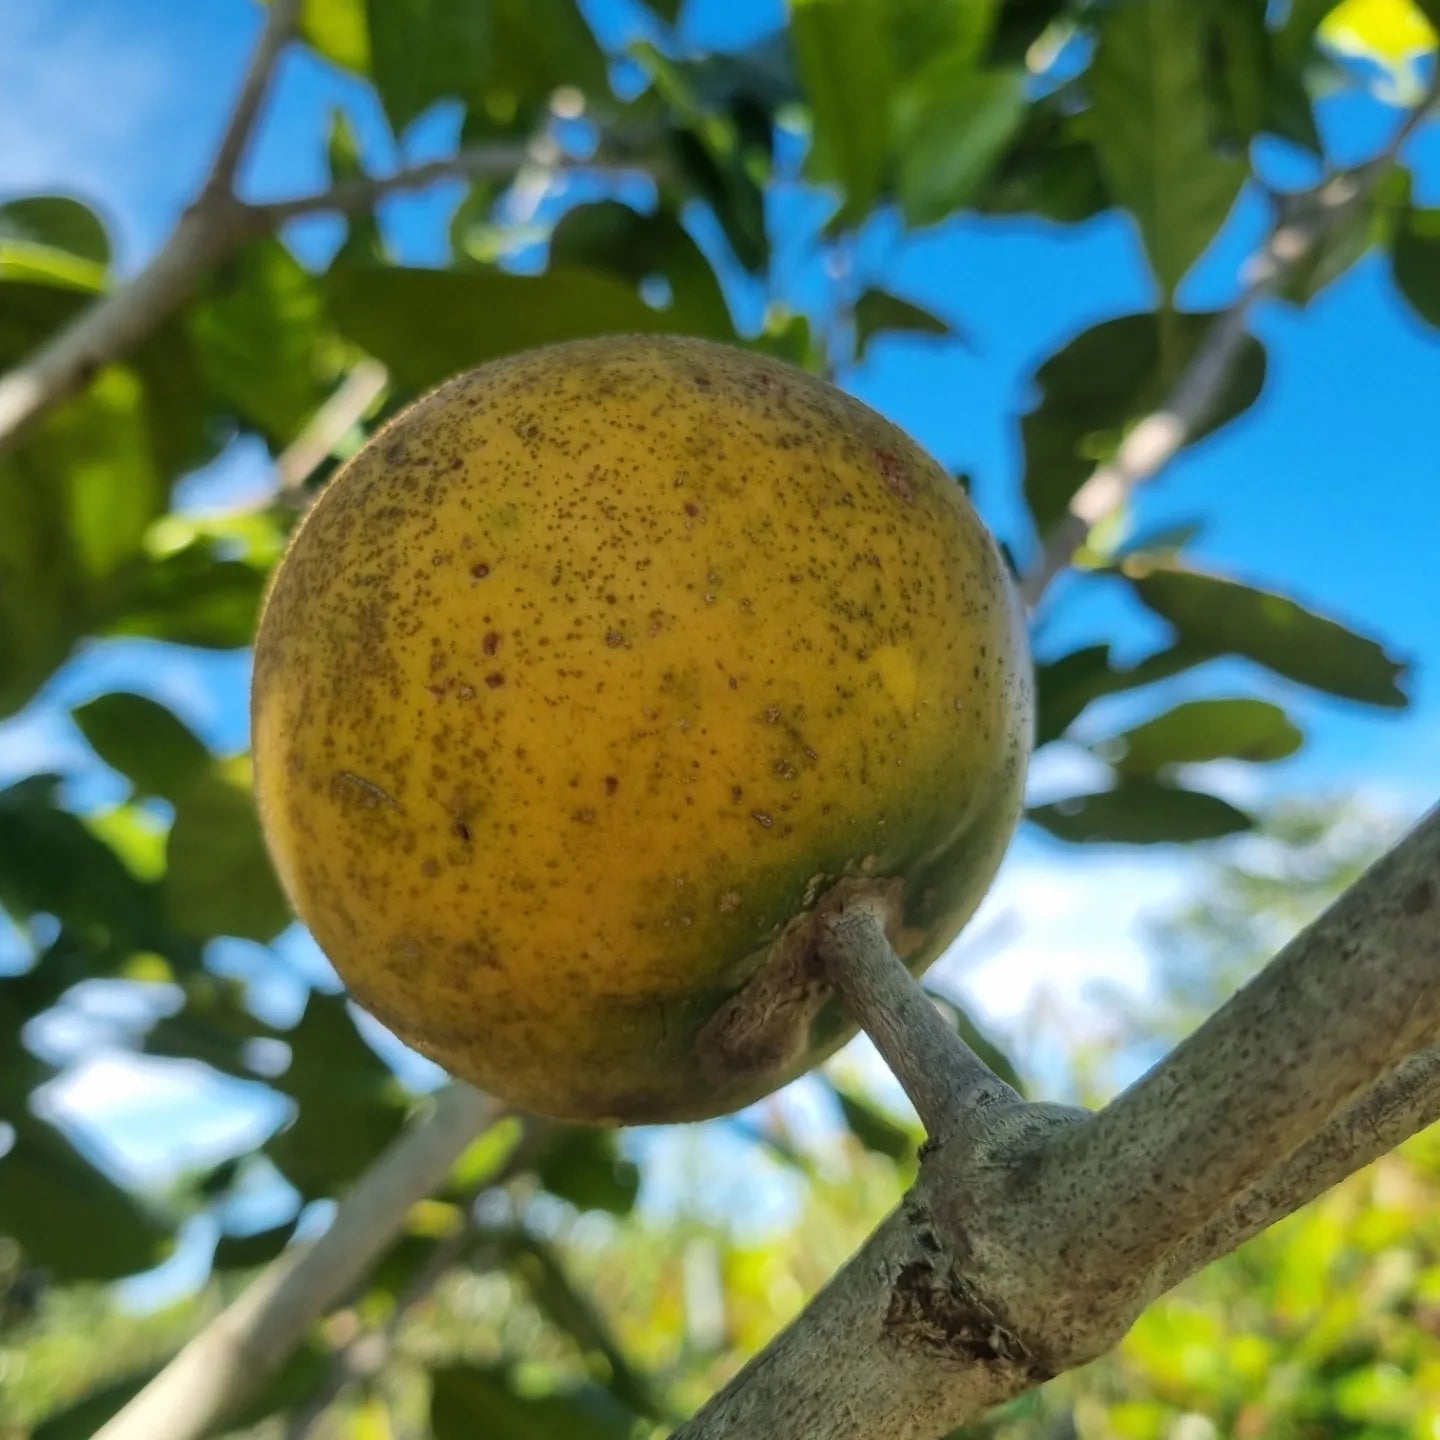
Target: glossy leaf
(952, 126)
(1202, 730)
(145, 742)
(426, 325)
(1153, 128)
(218, 878)
(843, 51)
(1224, 617)
(1103, 381)
(1415, 260)
(878, 310)
(1140, 812)
(466, 1402)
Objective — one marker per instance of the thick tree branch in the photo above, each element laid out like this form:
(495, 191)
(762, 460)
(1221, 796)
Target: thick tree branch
(1399, 1106)
(944, 1078)
(249, 1341)
(1160, 436)
(1033, 1247)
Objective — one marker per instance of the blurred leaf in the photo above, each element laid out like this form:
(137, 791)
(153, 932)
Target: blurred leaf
(218, 880)
(1202, 730)
(1140, 812)
(1370, 221)
(50, 863)
(69, 1217)
(1048, 170)
(259, 330)
(421, 51)
(667, 10)
(952, 125)
(1223, 617)
(1066, 685)
(874, 1129)
(337, 29)
(427, 325)
(1393, 32)
(1301, 21)
(296, 1381)
(584, 1166)
(878, 310)
(248, 1252)
(363, 244)
(468, 1402)
(538, 46)
(611, 236)
(843, 50)
(920, 30)
(1153, 130)
(538, 1265)
(190, 597)
(1415, 260)
(1101, 383)
(145, 742)
(1235, 52)
(53, 234)
(350, 1106)
(84, 1418)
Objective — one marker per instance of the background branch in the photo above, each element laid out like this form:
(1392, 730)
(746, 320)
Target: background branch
(250, 1340)
(1155, 441)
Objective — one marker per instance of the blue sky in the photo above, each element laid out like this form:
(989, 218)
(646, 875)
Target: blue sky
(1329, 489)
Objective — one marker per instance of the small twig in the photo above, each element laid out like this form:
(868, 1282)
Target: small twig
(1161, 435)
(249, 1341)
(329, 424)
(1399, 1106)
(280, 20)
(944, 1078)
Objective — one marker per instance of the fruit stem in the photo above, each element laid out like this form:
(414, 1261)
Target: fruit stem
(944, 1078)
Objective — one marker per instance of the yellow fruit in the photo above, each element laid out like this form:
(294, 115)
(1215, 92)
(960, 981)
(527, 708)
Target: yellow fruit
(590, 676)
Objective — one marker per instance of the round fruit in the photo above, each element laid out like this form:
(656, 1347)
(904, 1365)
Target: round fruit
(592, 678)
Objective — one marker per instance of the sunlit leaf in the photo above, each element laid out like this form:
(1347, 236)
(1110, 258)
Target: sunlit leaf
(1154, 132)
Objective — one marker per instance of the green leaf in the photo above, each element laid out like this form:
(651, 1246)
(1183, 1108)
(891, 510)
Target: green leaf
(585, 1167)
(1201, 730)
(83, 1419)
(422, 51)
(843, 50)
(1140, 812)
(878, 310)
(260, 331)
(466, 1402)
(427, 325)
(921, 30)
(1236, 55)
(54, 237)
(337, 30)
(1415, 262)
(1217, 616)
(874, 1129)
(952, 125)
(145, 742)
(1049, 169)
(1064, 687)
(68, 1217)
(189, 597)
(350, 1106)
(248, 1252)
(539, 46)
(667, 10)
(1104, 381)
(363, 243)
(1153, 129)
(218, 878)
(611, 236)
(51, 863)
